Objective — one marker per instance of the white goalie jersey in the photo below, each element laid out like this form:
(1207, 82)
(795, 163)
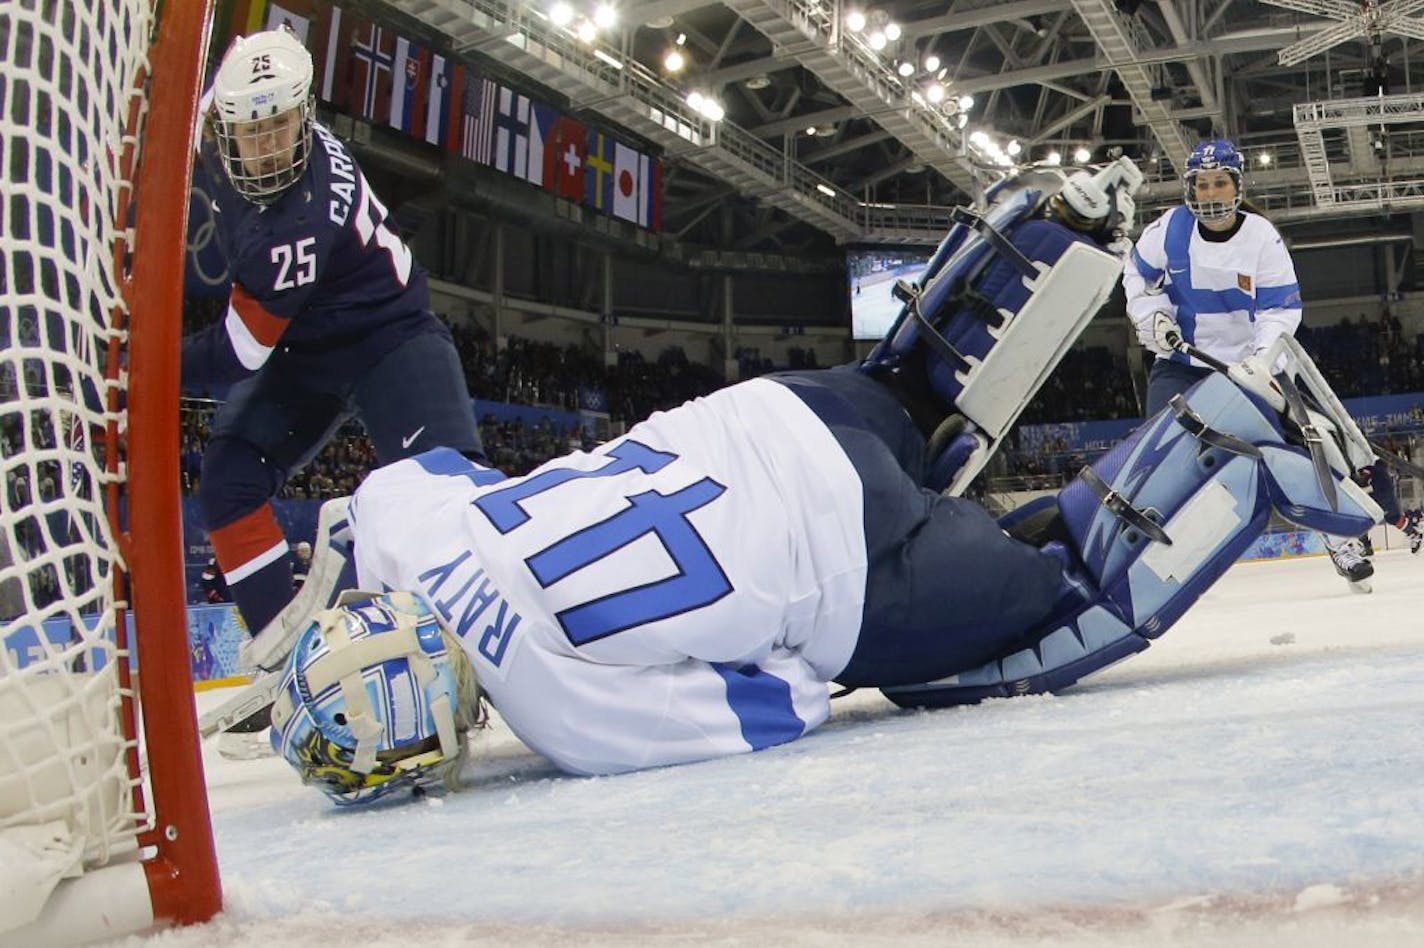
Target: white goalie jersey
(684, 592)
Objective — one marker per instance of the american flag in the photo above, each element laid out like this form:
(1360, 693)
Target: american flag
(477, 126)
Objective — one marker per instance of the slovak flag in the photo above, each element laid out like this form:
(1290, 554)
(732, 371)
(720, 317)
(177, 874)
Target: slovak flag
(410, 88)
(565, 153)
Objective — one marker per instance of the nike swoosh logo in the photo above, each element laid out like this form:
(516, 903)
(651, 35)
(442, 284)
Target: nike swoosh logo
(1183, 270)
(407, 442)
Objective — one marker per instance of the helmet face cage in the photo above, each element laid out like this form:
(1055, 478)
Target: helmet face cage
(376, 698)
(263, 157)
(1216, 155)
(262, 113)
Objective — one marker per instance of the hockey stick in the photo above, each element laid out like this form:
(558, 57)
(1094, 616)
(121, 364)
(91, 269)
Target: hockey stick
(1395, 461)
(1296, 412)
(1384, 454)
(267, 651)
(252, 699)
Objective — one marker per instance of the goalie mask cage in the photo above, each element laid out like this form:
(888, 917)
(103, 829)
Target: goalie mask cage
(104, 825)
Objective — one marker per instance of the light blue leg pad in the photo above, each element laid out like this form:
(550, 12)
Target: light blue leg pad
(1121, 587)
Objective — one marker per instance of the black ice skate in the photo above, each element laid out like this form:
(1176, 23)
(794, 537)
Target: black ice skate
(1414, 529)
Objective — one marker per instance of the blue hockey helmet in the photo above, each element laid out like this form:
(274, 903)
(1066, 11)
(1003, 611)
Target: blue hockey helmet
(376, 697)
(1218, 154)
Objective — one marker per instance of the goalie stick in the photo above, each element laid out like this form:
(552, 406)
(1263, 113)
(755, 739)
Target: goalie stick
(252, 700)
(267, 652)
(1390, 458)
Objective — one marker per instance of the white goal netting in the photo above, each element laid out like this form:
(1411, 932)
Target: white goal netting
(71, 84)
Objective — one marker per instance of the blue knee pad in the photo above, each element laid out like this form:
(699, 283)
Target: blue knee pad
(1149, 528)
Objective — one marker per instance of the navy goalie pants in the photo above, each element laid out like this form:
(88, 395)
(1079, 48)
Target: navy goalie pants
(947, 590)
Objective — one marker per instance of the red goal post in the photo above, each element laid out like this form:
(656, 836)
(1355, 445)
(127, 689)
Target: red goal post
(104, 823)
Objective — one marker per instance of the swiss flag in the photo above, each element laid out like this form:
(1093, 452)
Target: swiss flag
(565, 151)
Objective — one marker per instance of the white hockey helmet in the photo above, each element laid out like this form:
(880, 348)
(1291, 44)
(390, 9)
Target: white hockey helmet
(262, 113)
(1102, 200)
(1088, 204)
(376, 697)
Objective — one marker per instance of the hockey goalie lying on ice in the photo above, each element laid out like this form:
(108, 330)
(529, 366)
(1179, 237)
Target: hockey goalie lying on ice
(690, 590)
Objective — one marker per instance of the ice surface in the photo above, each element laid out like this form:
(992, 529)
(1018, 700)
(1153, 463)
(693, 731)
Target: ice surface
(1255, 778)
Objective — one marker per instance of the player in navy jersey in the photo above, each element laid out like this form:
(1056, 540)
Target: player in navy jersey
(329, 316)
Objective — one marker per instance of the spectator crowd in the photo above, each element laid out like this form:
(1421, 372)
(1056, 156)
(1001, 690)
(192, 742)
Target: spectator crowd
(1359, 356)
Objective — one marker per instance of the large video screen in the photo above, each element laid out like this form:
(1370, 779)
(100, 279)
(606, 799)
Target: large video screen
(872, 274)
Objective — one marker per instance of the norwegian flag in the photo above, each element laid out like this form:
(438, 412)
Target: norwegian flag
(373, 52)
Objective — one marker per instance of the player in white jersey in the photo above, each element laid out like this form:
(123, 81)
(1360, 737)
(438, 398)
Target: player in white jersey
(692, 589)
(1220, 278)
(688, 590)
(1213, 273)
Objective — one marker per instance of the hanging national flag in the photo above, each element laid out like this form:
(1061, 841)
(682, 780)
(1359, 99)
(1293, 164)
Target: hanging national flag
(245, 18)
(454, 108)
(637, 187)
(541, 125)
(650, 194)
(373, 51)
(437, 105)
(335, 52)
(598, 172)
(411, 88)
(511, 136)
(565, 150)
(476, 139)
(628, 166)
(278, 15)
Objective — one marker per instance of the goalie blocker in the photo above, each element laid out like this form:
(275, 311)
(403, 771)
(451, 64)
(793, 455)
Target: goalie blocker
(1155, 522)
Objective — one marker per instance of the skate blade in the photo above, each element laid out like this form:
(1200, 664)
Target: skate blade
(1361, 586)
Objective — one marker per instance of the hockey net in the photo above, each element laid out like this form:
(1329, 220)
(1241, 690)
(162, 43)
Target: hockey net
(104, 823)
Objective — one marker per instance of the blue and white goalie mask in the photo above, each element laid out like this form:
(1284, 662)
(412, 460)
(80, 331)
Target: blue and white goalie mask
(376, 697)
